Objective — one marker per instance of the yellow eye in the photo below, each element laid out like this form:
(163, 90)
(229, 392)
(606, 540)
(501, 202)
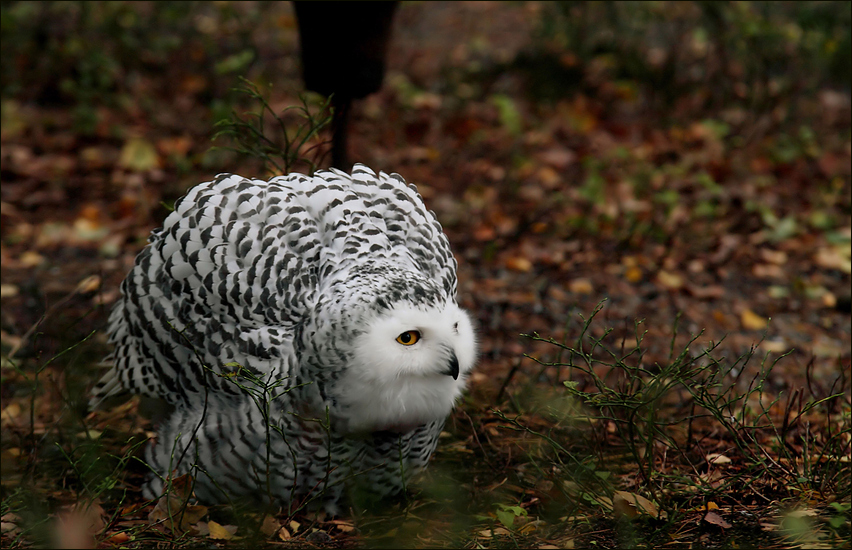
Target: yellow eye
(408, 338)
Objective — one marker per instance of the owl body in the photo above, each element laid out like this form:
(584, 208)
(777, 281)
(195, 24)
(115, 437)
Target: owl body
(304, 332)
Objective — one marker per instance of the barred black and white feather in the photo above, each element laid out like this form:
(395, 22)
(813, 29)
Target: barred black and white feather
(268, 314)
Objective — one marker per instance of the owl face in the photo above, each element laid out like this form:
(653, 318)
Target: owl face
(409, 365)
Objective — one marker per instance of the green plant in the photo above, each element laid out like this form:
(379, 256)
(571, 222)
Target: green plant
(658, 416)
(283, 142)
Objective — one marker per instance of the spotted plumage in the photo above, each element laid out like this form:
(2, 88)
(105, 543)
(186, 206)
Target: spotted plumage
(303, 332)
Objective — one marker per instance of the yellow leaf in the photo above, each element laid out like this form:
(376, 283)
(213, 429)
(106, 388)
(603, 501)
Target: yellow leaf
(669, 279)
(712, 506)
(633, 274)
(752, 321)
(10, 412)
(221, 532)
(139, 155)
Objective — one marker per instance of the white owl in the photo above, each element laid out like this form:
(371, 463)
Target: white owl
(304, 332)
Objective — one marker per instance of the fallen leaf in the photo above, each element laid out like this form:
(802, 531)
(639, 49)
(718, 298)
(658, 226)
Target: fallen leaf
(139, 155)
(711, 506)
(633, 274)
(12, 411)
(344, 526)
(9, 524)
(8, 291)
(549, 177)
(518, 263)
(669, 279)
(835, 257)
(558, 157)
(718, 459)
(752, 321)
(484, 233)
(631, 505)
(777, 257)
(31, 259)
(173, 506)
(90, 284)
(118, 538)
(581, 286)
(270, 526)
(710, 292)
(88, 230)
(715, 519)
(775, 346)
(221, 532)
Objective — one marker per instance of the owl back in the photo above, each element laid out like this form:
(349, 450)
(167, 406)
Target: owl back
(237, 268)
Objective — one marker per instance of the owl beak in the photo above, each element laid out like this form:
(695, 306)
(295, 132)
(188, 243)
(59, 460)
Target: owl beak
(453, 369)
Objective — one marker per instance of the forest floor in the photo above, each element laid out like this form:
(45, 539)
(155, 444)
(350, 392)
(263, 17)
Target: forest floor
(661, 284)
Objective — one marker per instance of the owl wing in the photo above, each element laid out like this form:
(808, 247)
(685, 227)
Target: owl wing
(224, 284)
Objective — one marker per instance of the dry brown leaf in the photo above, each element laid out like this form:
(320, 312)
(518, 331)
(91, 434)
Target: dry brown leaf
(768, 271)
(715, 519)
(484, 233)
(9, 524)
(549, 177)
(520, 264)
(581, 286)
(173, 508)
(777, 257)
(631, 505)
(710, 292)
(558, 157)
(118, 538)
(270, 526)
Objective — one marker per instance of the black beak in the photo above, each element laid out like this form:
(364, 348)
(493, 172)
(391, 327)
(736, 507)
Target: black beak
(453, 369)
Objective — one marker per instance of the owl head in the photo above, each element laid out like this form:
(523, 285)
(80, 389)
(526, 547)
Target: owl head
(408, 358)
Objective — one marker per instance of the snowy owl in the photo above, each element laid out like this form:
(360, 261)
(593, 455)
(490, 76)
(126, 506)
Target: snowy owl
(303, 331)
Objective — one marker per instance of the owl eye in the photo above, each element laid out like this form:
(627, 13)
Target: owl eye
(408, 338)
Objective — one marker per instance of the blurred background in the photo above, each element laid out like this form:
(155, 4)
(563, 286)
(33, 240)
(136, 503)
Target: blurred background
(688, 162)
